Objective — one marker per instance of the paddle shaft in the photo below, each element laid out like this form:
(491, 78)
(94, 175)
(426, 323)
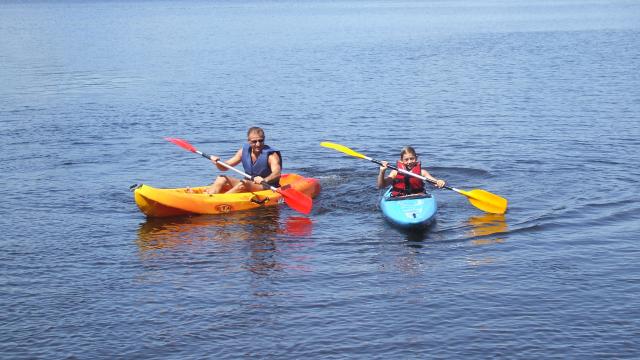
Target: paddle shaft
(409, 173)
(224, 164)
(465, 193)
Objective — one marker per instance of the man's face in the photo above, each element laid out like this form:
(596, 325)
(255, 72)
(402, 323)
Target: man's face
(256, 141)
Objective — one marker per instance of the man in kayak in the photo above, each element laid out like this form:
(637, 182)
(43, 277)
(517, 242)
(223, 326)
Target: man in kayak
(404, 184)
(259, 160)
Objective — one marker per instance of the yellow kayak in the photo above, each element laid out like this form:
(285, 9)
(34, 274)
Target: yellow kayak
(155, 202)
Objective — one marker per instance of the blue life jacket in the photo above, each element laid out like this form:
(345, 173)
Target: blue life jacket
(261, 166)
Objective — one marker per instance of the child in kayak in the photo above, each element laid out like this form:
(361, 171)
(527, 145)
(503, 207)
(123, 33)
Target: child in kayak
(405, 184)
(259, 160)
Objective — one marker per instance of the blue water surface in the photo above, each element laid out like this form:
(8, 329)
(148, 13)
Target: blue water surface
(536, 101)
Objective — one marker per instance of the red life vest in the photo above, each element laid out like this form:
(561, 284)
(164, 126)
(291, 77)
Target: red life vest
(405, 184)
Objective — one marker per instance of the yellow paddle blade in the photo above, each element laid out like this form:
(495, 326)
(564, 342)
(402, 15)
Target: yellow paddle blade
(343, 149)
(486, 201)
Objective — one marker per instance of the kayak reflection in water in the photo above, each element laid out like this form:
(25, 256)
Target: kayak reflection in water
(259, 160)
(166, 233)
(402, 184)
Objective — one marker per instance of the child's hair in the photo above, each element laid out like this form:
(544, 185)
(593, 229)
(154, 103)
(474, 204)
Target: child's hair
(408, 150)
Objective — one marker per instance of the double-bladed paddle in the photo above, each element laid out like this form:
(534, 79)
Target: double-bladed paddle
(481, 199)
(292, 197)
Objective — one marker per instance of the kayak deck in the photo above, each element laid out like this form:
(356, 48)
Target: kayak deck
(155, 202)
(409, 212)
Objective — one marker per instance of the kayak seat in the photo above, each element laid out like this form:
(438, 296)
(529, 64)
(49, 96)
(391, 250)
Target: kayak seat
(412, 196)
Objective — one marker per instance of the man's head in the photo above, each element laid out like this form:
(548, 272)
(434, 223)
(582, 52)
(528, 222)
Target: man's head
(256, 138)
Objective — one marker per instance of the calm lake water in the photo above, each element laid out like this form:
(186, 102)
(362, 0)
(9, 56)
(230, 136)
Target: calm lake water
(536, 101)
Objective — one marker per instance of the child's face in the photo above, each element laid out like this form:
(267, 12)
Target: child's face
(409, 160)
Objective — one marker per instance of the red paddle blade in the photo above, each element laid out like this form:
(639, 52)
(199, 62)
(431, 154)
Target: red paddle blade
(182, 143)
(296, 200)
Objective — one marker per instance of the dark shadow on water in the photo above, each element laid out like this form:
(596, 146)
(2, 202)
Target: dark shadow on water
(416, 237)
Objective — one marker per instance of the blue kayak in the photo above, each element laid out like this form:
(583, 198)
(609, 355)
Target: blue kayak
(409, 212)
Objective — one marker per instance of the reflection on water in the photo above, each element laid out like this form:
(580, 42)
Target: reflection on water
(260, 231)
(486, 225)
(486, 229)
(257, 241)
(482, 229)
(298, 226)
(165, 233)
